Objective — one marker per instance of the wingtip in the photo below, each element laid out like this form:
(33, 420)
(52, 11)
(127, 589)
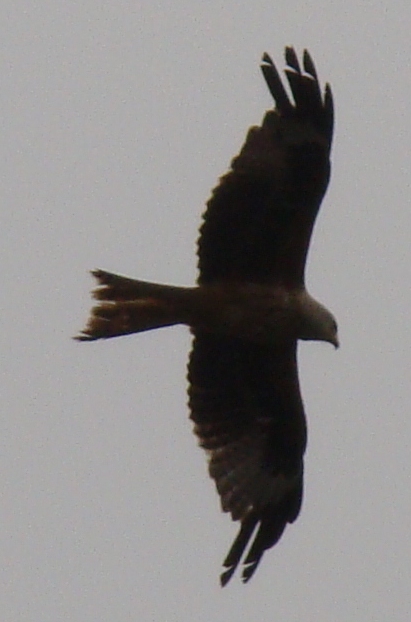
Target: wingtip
(226, 576)
(266, 59)
(291, 58)
(309, 99)
(308, 64)
(274, 83)
(248, 571)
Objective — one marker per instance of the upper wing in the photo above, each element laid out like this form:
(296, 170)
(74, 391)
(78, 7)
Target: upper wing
(259, 219)
(246, 405)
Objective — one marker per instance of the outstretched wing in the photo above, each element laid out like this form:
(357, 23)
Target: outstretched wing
(244, 398)
(246, 406)
(259, 219)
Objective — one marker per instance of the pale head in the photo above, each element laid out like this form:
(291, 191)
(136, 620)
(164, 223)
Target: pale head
(317, 322)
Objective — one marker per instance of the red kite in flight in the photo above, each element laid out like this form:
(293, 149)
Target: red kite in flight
(248, 311)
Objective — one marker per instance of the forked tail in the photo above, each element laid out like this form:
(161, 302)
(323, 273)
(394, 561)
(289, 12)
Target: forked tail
(128, 306)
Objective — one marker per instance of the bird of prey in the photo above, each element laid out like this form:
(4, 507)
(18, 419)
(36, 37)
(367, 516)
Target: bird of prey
(248, 310)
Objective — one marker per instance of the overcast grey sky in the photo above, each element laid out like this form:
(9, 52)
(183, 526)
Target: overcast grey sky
(117, 119)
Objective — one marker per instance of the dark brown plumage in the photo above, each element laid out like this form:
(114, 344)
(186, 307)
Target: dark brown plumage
(248, 311)
(257, 229)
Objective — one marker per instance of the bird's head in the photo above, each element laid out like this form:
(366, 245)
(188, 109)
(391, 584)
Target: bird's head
(317, 322)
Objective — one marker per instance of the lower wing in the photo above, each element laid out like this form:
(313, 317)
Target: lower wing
(246, 406)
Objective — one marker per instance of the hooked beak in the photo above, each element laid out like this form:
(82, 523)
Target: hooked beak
(335, 342)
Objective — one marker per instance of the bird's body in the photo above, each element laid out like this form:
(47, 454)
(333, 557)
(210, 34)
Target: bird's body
(261, 314)
(248, 312)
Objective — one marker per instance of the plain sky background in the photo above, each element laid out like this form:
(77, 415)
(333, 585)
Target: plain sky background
(117, 118)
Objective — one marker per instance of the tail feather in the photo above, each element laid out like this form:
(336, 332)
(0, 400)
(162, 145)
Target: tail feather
(129, 306)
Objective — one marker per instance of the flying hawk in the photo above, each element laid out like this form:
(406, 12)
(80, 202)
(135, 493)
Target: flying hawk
(248, 310)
